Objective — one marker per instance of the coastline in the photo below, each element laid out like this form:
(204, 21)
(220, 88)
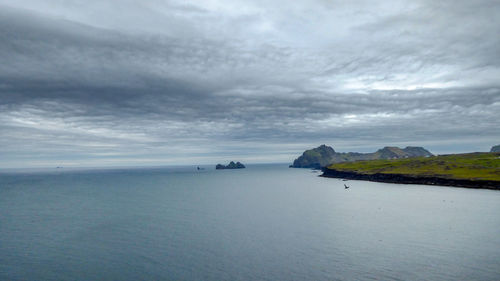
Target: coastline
(406, 179)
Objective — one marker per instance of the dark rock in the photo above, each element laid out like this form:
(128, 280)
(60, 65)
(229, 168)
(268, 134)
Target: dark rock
(495, 148)
(231, 165)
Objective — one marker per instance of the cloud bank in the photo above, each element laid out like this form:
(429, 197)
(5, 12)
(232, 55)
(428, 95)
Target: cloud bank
(98, 83)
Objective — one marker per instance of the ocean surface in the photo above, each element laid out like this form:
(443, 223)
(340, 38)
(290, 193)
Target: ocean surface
(266, 222)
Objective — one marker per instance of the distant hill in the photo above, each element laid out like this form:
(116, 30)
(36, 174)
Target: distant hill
(324, 155)
(495, 148)
(317, 157)
(231, 165)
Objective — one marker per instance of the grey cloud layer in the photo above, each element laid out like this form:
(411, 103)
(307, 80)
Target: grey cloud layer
(80, 85)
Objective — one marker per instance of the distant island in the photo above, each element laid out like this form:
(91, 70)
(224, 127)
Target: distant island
(231, 165)
(324, 155)
(472, 170)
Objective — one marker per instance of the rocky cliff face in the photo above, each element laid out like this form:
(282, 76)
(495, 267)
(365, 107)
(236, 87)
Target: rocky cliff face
(495, 148)
(324, 155)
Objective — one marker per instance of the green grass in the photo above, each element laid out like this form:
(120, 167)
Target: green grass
(472, 166)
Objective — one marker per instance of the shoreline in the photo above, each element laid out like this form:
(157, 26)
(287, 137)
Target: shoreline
(406, 179)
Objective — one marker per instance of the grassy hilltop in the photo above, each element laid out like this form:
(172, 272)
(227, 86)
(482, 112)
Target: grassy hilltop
(471, 166)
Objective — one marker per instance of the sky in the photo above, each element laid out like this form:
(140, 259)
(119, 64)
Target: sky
(137, 83)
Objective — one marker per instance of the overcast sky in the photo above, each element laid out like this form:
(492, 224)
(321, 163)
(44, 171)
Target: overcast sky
(101, 82)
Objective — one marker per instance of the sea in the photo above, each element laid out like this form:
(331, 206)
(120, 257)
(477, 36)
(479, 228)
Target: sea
(265, 222)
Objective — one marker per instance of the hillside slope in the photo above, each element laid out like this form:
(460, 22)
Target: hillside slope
(474, 169)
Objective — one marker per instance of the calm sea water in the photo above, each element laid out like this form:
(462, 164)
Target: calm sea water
(266, 222)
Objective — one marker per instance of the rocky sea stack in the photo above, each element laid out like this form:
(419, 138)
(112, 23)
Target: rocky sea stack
(231, 165)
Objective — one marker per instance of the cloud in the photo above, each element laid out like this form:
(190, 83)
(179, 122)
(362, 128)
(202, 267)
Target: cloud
(184, 82)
